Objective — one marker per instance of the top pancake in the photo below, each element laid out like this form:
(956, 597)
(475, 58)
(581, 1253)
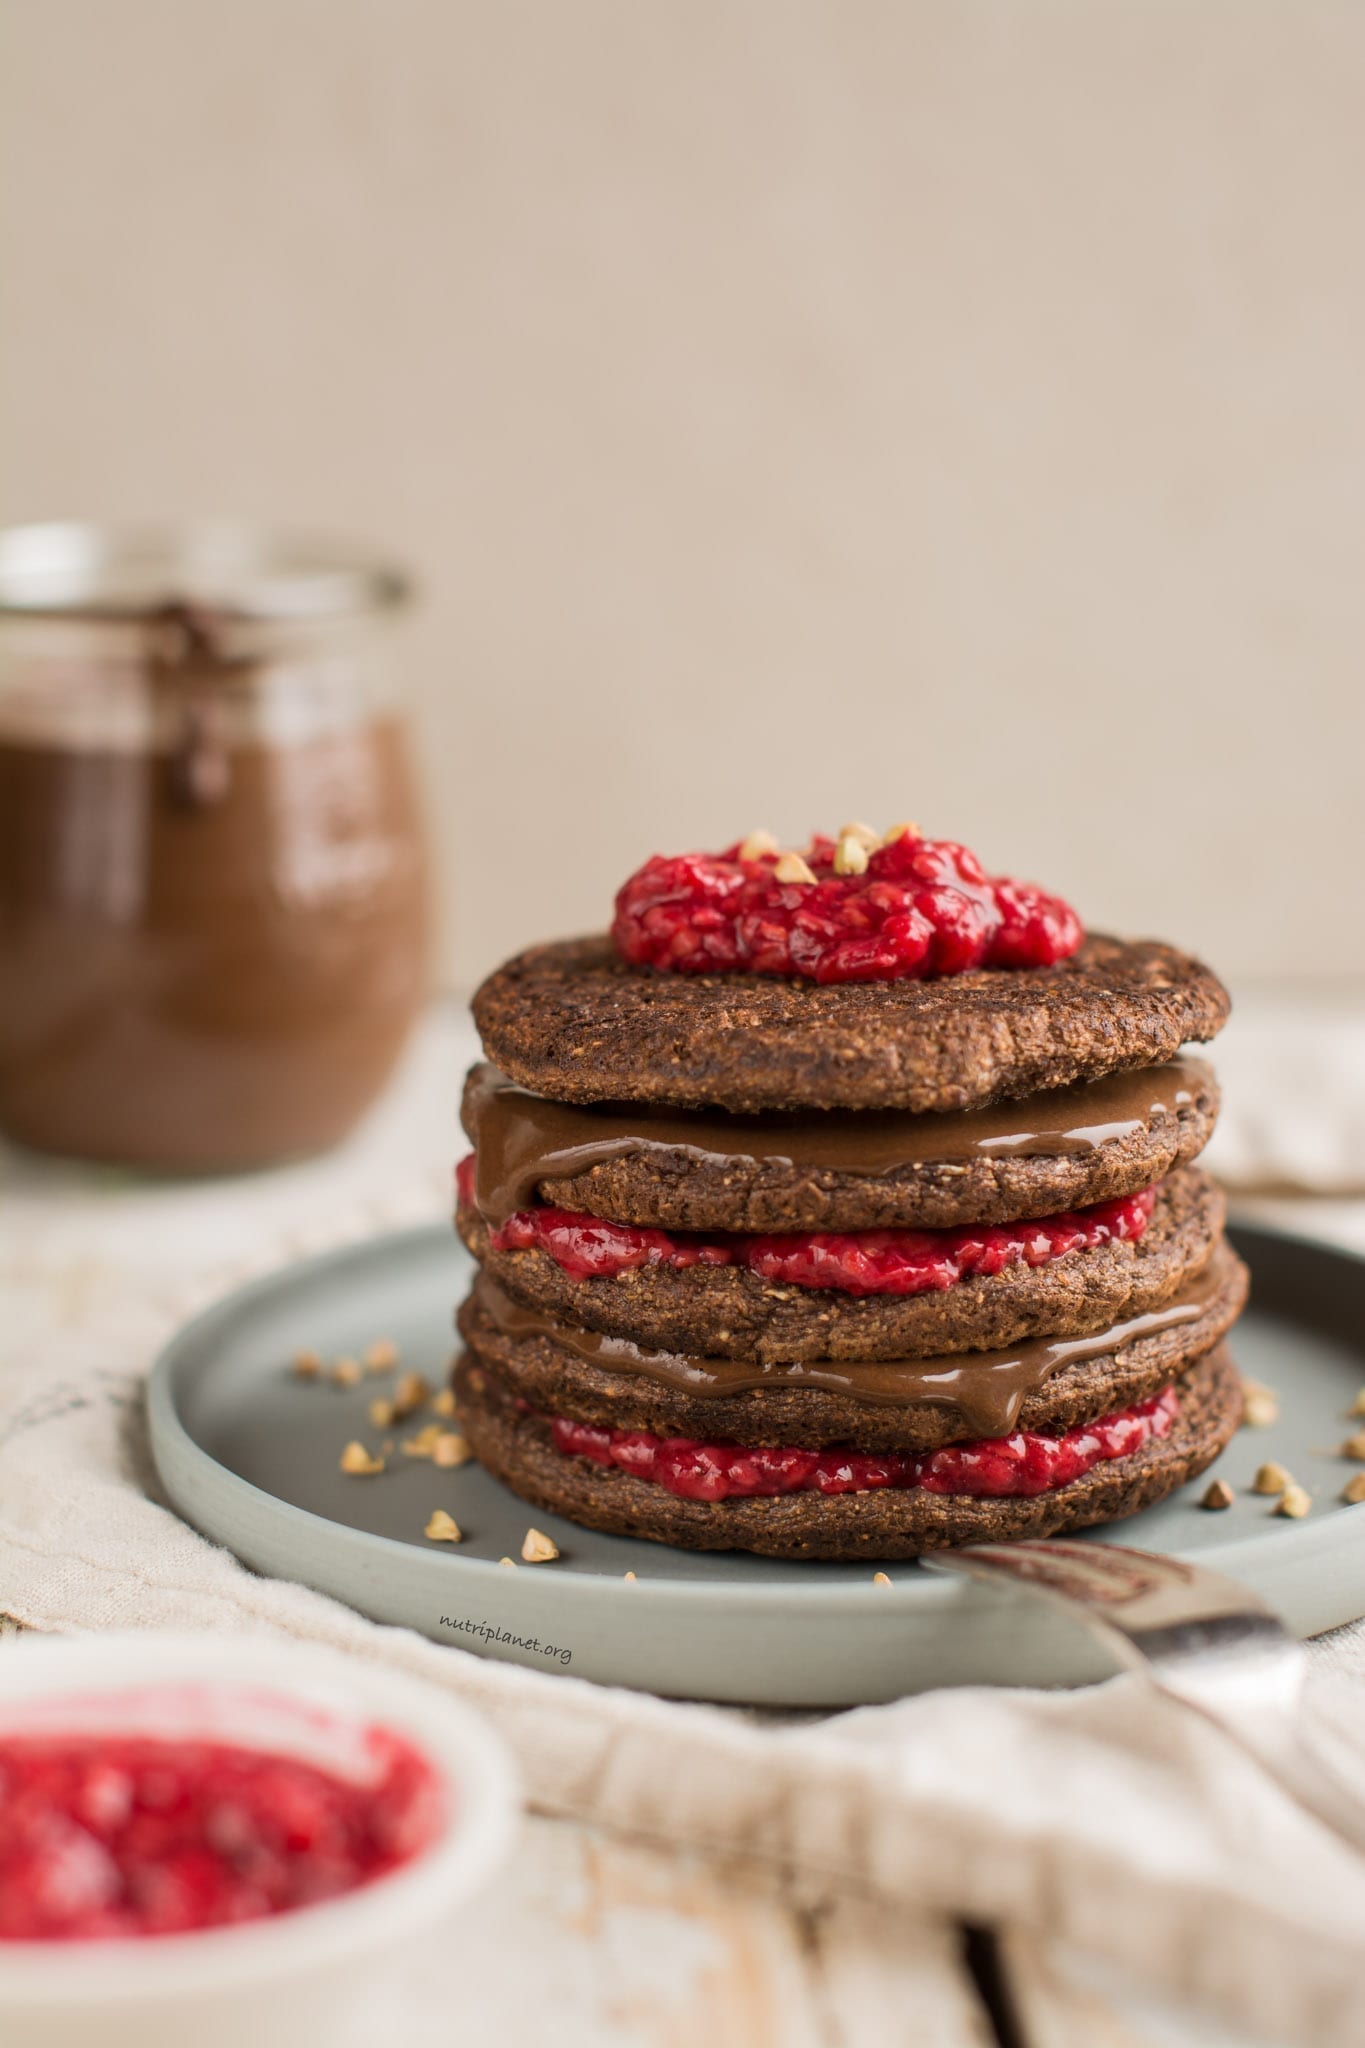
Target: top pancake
(572, 1021)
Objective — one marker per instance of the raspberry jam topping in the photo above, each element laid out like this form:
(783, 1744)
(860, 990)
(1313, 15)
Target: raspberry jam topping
(133, 1835)
(855, 1262)
(843, 911)
(993, 1467)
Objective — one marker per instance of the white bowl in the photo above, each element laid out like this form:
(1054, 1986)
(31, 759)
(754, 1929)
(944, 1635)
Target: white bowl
(353, 1970)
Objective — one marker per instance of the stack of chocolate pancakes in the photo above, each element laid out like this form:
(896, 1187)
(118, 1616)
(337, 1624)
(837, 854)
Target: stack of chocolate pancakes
(844, 1265)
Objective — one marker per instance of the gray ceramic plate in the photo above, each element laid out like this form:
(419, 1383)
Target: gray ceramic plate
(249, 1453)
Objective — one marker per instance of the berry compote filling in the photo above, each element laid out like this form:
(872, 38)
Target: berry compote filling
(1027, 1462)
(843, 911)
(854, 1262)
(104, 1835)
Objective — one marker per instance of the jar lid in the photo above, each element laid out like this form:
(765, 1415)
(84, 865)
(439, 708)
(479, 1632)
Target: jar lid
(249, 573)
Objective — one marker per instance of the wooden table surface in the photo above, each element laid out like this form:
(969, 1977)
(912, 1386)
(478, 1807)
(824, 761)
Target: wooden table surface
(630, 1946)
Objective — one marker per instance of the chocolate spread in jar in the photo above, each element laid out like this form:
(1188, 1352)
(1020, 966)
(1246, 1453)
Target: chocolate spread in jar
(210, 952)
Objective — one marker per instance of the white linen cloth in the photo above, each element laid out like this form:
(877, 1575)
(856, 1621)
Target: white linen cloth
(1292, 1070)
(1103, 1816)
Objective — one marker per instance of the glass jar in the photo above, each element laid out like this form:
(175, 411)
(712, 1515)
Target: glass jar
(213, 890)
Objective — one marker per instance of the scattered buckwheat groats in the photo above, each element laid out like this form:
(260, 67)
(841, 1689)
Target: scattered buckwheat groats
(412, 1392)
(423, 1445)
(450, 1449)
(360, 1463)
(442, 1528)
(1272, 1478)
(1260, 1407)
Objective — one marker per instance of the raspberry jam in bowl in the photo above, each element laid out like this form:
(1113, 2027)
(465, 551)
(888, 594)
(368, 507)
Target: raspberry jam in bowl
(106, 1835)
(207, 1841)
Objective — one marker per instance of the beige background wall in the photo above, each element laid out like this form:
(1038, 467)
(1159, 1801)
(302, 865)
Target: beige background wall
(944, 408)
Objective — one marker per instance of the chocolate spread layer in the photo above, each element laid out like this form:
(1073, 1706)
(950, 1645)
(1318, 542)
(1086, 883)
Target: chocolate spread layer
(732, 1312)
(887, 1523)
(835, 1169)
(930, 1400)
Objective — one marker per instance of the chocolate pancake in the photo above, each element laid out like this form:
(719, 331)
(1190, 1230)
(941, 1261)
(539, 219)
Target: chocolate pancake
(893, 1405)
(573, 1022)
(837, 1169)
(732, 1312)
(516, 1448)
